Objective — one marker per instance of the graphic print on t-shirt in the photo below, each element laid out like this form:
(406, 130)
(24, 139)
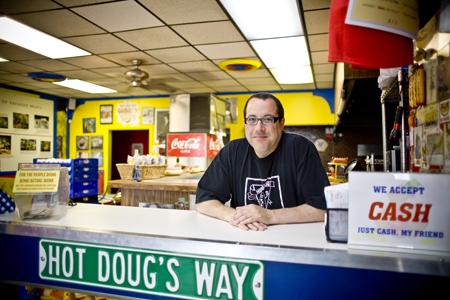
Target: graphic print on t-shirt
(264, 192)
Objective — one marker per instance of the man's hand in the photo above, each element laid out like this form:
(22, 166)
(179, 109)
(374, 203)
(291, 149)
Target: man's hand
(252, 217)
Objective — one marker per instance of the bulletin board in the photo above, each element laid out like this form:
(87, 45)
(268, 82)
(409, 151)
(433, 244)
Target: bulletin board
(26, 128)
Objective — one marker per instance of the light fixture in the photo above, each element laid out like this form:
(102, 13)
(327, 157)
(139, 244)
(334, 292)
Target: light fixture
(282, 52)
(3, 59)
(293, 74)
(36, 41)
(262, 19)
(85, 86)
(275, 31)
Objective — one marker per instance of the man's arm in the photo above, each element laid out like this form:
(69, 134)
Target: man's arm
(216, 209)
(253, 213)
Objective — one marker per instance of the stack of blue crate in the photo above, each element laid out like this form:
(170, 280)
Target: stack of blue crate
(83, 176)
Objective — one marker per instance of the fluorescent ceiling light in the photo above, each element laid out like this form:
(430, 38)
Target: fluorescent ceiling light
(3, 60)
(85, 86)
(36, 41)
(282, 52)
(293, 74)
(262, 19)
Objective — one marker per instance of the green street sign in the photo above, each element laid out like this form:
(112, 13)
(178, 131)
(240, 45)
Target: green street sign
(151, 272)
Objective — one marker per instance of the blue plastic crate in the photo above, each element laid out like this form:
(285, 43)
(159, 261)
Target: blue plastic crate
(83, 185)
(68, 162)
(84, 177)
(83, 193)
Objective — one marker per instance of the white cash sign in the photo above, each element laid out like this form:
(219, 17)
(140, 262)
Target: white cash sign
(406, 211)
(150, 272)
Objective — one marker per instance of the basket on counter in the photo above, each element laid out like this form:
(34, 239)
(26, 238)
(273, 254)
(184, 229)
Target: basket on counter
(147, 171)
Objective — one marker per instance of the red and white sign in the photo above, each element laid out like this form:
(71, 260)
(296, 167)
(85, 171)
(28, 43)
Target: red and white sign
(214, 145)
(186, 144)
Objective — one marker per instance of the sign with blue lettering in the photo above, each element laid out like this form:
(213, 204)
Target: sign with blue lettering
(151, 272)
(410, 211)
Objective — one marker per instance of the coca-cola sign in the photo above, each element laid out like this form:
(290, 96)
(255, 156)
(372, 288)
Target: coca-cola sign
(186, 144)
(214, 145)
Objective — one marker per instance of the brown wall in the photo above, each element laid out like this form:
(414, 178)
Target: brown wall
(340, 146)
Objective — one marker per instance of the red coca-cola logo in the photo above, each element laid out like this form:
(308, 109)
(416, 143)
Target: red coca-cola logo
(187, 145)
(191, 143)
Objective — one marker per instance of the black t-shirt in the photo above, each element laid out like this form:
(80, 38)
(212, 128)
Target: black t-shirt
(290, 176)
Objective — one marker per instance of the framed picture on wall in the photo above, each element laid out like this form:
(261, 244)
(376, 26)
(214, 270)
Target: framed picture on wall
(147, 115)
(99, 156)
(21, 121)
(106, 114)
(96, 142)
(139, 147)
(82, 154)
(82, 142)
(89, 125)
(59, 143)
(162, 123)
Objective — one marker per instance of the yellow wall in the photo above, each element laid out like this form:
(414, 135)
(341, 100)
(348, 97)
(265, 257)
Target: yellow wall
(91, 109)
(301, 109)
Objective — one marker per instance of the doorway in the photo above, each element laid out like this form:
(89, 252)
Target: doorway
(121, 146)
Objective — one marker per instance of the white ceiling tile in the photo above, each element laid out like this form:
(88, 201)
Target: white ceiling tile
(315, 4)
(179, 54)
(324, 77)
(119, 16)
(257, 81)
(80, 74)
(306, 86)
(14, 67)
(16, 78)
(324, 68)
(234, 88)
(180, 11)
(188, 84)
(73, 3)
(21, 85)
(141, 92)
(317, 21)
(209, 33)
(43, 85)
(126, 58)
(320, 57)
(21, 6)
(195, 67)
(105, 81)
(88, 62)
(199, 90)
(262, 88)
(13, 52)
(50, 65)
(209, 75)
(220, 83)
(3, 71)
(260, 73)
(111, 72)
(59, 23)
(152, 38)
(100, 44)
(325, 85)
(157, 69)
(318, 42)
(226, 51)
(171, 77)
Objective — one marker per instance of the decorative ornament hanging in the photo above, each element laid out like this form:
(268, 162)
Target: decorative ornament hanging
(46, 77)
(239, 65)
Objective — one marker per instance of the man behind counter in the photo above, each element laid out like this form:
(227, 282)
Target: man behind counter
(271, 176)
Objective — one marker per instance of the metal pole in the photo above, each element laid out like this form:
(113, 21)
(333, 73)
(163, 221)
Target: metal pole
(403, 141)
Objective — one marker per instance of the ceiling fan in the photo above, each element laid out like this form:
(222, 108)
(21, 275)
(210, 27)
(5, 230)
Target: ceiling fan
(139, 78)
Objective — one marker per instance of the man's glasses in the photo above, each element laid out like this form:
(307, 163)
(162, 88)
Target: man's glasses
(268, 120)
